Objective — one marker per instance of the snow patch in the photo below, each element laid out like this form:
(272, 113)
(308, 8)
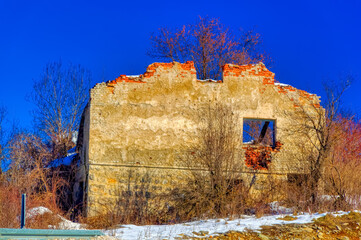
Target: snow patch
(69, 225)
(277, 208)
(282, 84)
(212, 226)
(37, 211)
(208, 80)
(64, 224)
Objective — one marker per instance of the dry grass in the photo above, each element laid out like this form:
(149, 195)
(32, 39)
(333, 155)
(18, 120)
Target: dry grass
(10, 210)
(287, 218)
(9, 207)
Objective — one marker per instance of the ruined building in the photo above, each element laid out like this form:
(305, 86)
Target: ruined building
(141, 124)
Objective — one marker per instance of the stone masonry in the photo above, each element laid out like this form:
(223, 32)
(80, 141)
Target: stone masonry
(136, 126)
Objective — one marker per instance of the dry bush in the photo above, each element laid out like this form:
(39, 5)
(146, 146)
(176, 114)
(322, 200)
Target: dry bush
(297, 194)
(340, 182)
(40, 217)
(10, 206)
(342, 178)
(214, 187)
(102, 220)
(29, 170)
(43, 221)
(196, 201)
(10, 209)
(29, 173)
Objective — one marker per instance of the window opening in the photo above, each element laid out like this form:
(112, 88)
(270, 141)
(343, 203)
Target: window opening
(259, 132)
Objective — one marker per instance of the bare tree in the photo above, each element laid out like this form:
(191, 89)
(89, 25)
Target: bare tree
(319, 128)
(209, 44)
(59, 97)
(214, 185)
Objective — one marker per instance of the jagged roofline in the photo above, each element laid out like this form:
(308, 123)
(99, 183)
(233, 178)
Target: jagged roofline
(151, 70)
(230, 71)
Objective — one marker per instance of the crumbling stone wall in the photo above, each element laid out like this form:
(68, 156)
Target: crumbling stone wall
(139, 125)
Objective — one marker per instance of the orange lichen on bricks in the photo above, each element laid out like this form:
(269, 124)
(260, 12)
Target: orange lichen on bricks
(259, 157)
(258, 70)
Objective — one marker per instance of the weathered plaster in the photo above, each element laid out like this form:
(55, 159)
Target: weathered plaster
(137, 125)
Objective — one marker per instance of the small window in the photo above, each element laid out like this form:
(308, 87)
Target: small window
(259, 132)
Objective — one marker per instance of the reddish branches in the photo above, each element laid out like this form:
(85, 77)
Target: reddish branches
(209, 44)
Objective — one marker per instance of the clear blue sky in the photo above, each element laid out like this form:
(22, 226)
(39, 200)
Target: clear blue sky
(309, 41)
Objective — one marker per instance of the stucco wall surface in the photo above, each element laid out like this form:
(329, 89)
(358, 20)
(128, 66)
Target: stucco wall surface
(140, 125)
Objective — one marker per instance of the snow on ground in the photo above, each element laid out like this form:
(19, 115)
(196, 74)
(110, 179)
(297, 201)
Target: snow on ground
(277, 208)
(69, 225)
(64, 223)
(37, 211)
(212, 226)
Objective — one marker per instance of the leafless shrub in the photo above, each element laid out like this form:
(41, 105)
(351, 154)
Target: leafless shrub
(9, 206)
(10, 209)
(29, 171)
(324, 155)
(343, 183)
(214, 186)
